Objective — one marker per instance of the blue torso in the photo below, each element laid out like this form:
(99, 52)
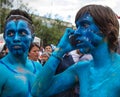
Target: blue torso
(17, 81)
(95, 83)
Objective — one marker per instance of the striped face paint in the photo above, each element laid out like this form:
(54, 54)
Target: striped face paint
(18, 36)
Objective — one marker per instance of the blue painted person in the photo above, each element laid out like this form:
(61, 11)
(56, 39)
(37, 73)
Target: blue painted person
(96, 34)
(17, 72)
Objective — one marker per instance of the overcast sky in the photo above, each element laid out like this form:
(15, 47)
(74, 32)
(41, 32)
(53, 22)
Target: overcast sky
(67, 9)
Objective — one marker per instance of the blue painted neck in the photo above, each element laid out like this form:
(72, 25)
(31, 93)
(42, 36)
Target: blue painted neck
(16, 59)
(102, 56)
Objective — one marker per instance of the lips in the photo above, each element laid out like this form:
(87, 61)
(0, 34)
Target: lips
(16, 46)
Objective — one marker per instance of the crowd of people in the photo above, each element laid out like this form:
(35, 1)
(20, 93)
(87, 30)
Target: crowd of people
(85, 62)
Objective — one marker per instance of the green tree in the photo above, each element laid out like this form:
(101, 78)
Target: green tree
(4, 6)
(49, 32)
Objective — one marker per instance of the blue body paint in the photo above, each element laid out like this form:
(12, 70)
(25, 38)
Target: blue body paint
(17, 71)
(18, 36)
(99, 77)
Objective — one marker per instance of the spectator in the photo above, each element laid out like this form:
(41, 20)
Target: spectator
(44, 57)
(34, 52)
(48, 48)
(46, 54)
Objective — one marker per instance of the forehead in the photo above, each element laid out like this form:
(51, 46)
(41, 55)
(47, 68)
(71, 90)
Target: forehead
(48, 46)
(17, 23)
(86, 16)
(35, 47)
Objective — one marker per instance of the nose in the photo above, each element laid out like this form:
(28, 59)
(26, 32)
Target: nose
(16, 38)
(78, 32)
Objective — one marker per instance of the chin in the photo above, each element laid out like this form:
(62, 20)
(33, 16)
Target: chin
(18, 52)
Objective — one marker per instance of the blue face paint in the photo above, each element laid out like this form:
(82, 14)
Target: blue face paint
(18, 36)
(87, 35)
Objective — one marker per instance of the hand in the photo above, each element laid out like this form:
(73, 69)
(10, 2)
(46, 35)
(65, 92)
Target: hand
(64, 43)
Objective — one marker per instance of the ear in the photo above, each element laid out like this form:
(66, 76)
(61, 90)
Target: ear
(33, 36)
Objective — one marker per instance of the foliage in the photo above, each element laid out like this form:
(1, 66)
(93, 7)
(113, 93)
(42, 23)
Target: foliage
(4, 6)
(48, 32)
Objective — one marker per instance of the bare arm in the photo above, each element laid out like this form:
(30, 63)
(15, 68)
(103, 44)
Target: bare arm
(56, 84)
(62, 82)
(46, 77)
(3, 77)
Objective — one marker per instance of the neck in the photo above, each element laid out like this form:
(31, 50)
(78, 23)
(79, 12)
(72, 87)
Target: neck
(17, 59)
(102, 56)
